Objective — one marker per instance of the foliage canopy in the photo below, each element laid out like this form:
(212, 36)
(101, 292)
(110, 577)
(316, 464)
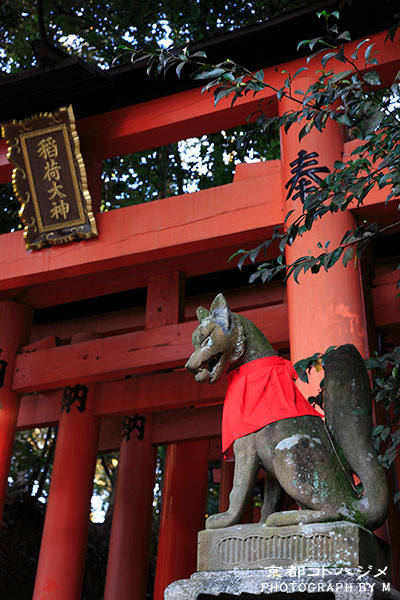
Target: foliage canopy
(354, 97)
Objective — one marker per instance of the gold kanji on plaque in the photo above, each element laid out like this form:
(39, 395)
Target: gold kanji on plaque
(49, 179)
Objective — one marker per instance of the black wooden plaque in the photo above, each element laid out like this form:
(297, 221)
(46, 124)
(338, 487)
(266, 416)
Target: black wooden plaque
(49, 179)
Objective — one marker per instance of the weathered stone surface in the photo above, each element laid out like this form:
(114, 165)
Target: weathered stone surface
(311, 460)
(281, 584)
(254, 546)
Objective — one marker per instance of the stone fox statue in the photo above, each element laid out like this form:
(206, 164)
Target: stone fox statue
(268, 422)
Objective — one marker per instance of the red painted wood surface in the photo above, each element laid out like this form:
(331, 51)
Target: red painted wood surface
(182, 515)
(326, 310)
(138, 243)
(178, 388)
(54, 285)
(386, 305)
(165, 299)
(70, 289)
(128, 555)
(160, 121)
(182, 425)
(123, 321)
(131, 353)
(40, 410)
(157, 392)
(15, 323)
(63, 547)
(225, 486)
(173, 227)
(5, 165)
(191, 113)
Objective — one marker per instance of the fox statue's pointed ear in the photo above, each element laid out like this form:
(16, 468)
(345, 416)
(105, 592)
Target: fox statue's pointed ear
(220, 309)
(201, 313)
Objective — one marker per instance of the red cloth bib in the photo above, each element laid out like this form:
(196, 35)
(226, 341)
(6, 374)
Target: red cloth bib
(261, 392)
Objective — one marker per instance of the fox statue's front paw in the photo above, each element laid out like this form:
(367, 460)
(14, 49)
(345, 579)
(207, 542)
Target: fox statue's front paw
(225, 519)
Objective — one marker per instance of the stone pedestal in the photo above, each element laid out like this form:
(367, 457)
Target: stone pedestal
(325, 560)
(281, 584)
(255, 546)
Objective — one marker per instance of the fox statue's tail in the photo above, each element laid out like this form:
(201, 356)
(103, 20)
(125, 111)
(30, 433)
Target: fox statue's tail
(348, 408)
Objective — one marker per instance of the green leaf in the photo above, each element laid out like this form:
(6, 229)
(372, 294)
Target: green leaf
(344, 36)
(218, 95)
(355, 56)
(199, 54)
(241, 251)
(242, 260)
(339, 165)
(302, 43)
(254, 253)
(254, 276)
(314, 41)
(368, 52)
(333, 258)
(280, 93)
(340, 55)
(348, 255)
(259, 75)
(370, 124)
(377, 430)
(179, 69)
(304, 131)
(372, 78)
(209, 73)
(327, 57)
(299, 71)
(266, 275)
(288, 215)
(339, 76)
(297, 272)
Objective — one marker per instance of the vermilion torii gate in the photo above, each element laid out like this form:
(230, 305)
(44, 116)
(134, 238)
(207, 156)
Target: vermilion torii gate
(132, 360)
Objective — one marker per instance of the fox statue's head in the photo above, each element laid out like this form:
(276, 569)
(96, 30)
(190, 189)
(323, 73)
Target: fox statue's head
(218, 341)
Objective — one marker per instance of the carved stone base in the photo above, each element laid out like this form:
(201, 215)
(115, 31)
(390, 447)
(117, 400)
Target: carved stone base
(264, 582)
(255, 546)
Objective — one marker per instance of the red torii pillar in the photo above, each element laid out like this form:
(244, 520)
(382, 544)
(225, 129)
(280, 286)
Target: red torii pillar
(15, 327)
(182, 512)
(186, 464)
(128, 553)
(61, 564)
(225, 487)
(327, 308)
(62, 552)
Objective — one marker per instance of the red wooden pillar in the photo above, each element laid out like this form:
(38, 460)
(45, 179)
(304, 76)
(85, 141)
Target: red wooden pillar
(186, 464)
(15, 327)
(227, 469)
(183, 511)
(325, 309)
(62, 552)
(132, 513)
(328, 308)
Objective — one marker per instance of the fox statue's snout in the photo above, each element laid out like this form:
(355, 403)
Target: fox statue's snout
(218, 341)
